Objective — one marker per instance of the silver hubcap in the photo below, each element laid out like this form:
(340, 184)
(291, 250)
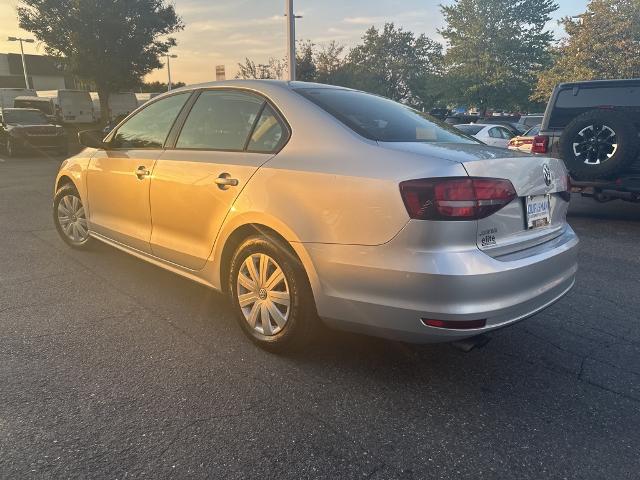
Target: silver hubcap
(263, 294)
(595, 144)
(72, 219)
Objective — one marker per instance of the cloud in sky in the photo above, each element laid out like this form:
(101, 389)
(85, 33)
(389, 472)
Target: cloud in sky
(227, 31)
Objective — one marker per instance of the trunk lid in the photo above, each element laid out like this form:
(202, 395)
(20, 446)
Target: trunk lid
(507, 231)
(534, 179)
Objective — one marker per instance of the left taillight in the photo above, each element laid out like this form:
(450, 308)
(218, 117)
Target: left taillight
(455, 198)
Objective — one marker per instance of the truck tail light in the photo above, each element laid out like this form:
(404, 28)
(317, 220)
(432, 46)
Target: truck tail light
(540, 144)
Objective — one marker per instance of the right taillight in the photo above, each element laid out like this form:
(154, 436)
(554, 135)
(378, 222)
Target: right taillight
(540, 144)
(455, 198)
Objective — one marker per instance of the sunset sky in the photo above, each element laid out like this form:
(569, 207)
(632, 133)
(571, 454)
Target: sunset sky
(225, 32)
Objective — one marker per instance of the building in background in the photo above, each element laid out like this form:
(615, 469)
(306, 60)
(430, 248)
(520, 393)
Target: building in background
(220, 73)
(44, 72)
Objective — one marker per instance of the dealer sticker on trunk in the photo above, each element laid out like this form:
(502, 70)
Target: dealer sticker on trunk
(538, 211)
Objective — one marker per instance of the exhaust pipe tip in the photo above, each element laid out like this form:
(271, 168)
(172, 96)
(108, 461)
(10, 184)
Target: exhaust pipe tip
(469, 344)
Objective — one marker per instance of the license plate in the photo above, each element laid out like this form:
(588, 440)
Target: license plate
(538, 211)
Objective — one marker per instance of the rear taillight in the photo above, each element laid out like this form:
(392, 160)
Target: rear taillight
(455, 198)
(540, 144)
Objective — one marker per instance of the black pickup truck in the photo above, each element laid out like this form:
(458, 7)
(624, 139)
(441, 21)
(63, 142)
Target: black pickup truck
(594, 126)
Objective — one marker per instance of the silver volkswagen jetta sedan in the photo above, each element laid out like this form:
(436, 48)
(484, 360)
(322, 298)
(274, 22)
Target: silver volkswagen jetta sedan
(307, 202)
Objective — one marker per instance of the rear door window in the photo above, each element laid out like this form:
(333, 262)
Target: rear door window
(269, 133)
(221, 120)
(506, 134)
(495, 133)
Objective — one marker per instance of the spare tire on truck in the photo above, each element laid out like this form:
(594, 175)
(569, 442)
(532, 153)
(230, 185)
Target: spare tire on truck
(599, 144)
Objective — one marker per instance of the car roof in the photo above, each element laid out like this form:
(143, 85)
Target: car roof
(13, 109)
(486, 125)
(32, 98)
(258, 84)
(622, 82)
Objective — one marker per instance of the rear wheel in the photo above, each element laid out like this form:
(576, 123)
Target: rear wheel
(70, 218)
(599, 144)
(271, 295)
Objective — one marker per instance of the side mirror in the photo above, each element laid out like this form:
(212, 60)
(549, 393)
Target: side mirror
(91, 139)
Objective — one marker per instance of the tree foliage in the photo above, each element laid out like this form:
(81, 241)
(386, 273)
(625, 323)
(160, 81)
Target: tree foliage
(603, 43)
(495, 49)
(109, 43)
(157, 87)
(394, 63)
(275, 69)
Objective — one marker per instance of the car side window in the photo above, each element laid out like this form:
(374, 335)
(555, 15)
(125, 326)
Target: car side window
(506, 134)
(269, 134)
(220, 120)
(494, 132)
(149, 127)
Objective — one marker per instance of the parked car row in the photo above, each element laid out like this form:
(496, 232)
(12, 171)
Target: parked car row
(72, 106)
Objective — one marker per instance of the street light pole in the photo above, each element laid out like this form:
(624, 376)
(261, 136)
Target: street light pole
(169, 57)
(291, 40)
(24, 63)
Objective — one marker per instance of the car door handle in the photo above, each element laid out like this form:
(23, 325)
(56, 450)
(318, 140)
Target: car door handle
(224, 181)
(142, 172)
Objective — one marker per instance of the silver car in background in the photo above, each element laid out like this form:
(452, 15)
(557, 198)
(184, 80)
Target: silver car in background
(307, 202)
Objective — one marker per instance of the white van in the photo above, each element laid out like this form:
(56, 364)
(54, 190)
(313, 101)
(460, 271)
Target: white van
(120, 104)
(74, 106)
(8, 95)
(145, 97)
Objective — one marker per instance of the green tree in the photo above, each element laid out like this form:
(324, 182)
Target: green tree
(157, 87)
(275, 69)
(109, 43)
(495, 49)
(602, 43)
(306, 70)
(329, 63)
(393, 62)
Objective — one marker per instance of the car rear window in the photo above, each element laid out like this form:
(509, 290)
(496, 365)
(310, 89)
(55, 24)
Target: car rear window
(380, 119)
(25, 117)
(470, 129)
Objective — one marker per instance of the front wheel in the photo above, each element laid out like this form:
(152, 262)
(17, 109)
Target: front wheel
(271, 295)
(70, 218)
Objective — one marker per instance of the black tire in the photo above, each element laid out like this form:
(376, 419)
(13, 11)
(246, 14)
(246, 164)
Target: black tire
(599, 144)
(302, 321)
(66, 191)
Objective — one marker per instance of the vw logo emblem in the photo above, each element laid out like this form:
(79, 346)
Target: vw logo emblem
(546, 173)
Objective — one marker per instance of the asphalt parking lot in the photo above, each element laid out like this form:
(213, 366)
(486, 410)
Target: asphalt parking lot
(113, 368)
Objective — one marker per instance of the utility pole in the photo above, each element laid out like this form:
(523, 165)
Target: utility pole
(24, 63)
(291, 40)
(169, 57)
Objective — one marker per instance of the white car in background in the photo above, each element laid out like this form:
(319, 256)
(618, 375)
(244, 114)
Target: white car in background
(494, 135)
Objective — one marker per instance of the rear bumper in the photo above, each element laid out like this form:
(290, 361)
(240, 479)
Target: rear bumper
(387, 290)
